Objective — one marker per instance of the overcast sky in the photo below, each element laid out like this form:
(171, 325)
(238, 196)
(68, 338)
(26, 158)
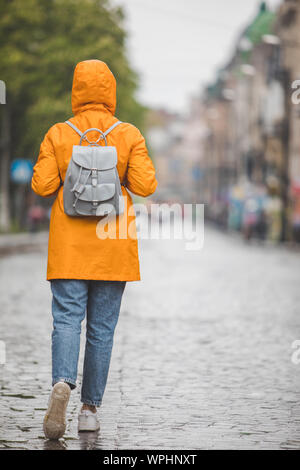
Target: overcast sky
(177, 45)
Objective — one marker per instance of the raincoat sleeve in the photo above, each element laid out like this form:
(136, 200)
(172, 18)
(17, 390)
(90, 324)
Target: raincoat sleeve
(140, 171)
(46, 179)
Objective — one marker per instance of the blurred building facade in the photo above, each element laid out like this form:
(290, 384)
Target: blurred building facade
(238, 150)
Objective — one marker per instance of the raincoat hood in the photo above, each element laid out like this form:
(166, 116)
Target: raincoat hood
(93, 84)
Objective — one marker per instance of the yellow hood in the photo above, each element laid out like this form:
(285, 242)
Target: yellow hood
(93, 84)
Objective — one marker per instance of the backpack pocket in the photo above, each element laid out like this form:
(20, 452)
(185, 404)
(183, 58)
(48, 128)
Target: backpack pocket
(96, 200)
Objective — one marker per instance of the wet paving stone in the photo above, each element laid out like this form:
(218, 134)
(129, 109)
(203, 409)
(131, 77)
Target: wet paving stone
(202, 354)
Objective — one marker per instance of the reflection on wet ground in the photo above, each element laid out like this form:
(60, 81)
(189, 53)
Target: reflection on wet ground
(202, 355)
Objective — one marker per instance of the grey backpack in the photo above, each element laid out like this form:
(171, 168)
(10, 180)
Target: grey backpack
(92, 185)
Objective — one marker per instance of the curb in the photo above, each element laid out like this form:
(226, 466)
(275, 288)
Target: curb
(20, 242)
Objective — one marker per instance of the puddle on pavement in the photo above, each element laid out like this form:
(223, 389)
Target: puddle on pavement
(54, 445)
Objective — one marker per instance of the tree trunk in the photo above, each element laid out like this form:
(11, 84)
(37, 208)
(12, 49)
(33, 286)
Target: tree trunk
(4, 170)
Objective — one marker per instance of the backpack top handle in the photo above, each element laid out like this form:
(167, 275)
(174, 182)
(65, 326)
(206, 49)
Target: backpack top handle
(102, 134)
(101, 137)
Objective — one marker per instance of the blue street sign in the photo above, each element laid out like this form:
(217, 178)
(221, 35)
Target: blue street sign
(21, 171)
(197, 173)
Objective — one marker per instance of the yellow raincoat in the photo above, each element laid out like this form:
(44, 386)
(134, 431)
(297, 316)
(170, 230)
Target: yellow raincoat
(75, 251)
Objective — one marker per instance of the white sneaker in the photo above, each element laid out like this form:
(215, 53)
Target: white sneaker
(55, 418)
(88, 421)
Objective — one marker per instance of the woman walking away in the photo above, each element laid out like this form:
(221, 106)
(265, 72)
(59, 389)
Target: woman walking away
(87, 271)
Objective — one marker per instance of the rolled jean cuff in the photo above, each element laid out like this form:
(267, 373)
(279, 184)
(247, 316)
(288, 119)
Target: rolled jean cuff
(90, 402)
(71, 382)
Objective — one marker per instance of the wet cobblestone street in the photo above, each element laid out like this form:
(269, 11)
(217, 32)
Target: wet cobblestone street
(202, 354)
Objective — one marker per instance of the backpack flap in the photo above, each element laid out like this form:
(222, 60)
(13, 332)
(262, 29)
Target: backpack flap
(99, 158)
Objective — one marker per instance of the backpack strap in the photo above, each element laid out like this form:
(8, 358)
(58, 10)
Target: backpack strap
(112, 127)
(82, 133)
(74, 128)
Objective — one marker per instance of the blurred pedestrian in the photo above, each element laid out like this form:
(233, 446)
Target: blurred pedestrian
(274, 217)
(35, 216)
(250, 217)
(295, 211)
(88, 274)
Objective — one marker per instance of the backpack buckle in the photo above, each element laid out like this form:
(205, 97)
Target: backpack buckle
(77, 188)
(94, 176)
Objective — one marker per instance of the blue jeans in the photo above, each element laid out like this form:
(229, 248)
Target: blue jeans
(101, 301)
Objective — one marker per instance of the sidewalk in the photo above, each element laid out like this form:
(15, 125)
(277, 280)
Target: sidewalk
(18, 242)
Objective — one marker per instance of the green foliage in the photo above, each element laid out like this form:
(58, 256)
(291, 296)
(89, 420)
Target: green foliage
(41, 41)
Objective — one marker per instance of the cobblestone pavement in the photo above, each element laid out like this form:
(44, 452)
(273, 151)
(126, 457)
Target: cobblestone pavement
(202, 355)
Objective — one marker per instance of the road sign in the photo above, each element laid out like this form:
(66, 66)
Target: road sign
(21, 171)
(197, 173)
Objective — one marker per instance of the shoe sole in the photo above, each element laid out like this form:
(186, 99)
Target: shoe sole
(55, 419)
(89, 430)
